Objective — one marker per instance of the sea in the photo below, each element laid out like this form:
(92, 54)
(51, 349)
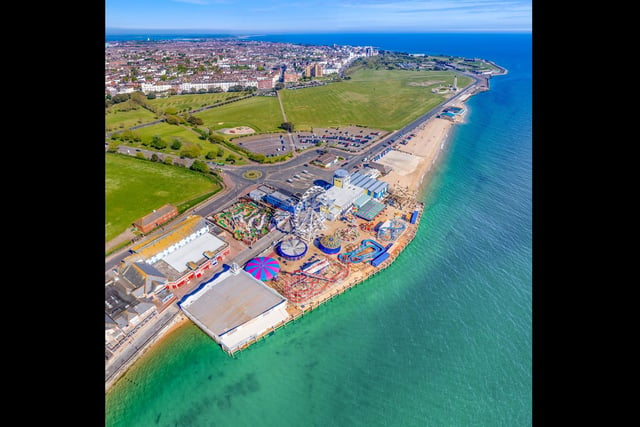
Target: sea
(443, 337)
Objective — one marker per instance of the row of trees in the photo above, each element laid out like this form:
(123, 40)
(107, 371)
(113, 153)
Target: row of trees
(196, 165)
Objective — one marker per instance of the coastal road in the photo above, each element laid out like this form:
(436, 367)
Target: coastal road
(139, 340)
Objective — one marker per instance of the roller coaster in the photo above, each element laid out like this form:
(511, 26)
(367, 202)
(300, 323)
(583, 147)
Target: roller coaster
(301, 285)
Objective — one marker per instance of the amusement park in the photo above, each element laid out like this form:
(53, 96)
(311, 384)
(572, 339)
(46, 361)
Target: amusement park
(328, 240)
(319, 256)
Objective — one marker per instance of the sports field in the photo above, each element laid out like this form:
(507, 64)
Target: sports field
(383, 99)
(134, 187)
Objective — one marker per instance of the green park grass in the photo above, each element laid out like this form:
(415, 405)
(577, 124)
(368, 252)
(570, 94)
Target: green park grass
(261, 113)
(169, 132)
(190, 102)
(134, 188)
(116, 119)
(381, 99)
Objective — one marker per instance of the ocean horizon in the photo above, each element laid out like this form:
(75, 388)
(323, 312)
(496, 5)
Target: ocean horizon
(441, 337)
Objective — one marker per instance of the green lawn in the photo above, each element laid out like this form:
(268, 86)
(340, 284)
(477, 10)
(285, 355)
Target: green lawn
(190, 102)
(117, 119)
(134, 187)
(381, 99)
(168, 132)
(261, 113)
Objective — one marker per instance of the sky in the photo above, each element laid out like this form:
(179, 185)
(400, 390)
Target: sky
(253, 17)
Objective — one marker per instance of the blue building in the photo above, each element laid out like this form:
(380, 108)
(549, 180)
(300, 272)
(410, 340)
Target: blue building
(372, 186)
(280, 199)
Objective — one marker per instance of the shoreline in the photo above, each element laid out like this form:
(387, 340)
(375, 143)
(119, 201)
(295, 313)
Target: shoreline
(430, 140)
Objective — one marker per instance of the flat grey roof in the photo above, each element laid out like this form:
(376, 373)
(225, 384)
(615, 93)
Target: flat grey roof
(230, 300)
(193, 251)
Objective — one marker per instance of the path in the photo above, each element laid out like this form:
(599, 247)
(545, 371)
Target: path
(284, 119)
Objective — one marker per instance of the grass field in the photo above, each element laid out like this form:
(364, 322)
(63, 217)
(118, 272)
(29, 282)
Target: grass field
(262, 113)
(117, 119)
(134, 187)
(190, 102)
(382, 99)
(168, 132)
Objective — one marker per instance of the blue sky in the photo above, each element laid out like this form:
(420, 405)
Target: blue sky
(320, 16)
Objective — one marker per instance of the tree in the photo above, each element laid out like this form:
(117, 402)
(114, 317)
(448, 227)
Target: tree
(120, 97)
(210, 155)
(195, 120)
(158, 142)
(199, 166)
(155, 158)
(140, 155)
(216, 139)
(151, 95)
(138, 98)
(288, 126)
(168, 160)
(191, 151)
(279, 86)
(173, 120)
(220, 152)
(176, 144)
(171, 111)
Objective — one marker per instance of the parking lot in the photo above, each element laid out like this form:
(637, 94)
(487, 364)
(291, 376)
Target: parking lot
(275, 144)
(351, 138)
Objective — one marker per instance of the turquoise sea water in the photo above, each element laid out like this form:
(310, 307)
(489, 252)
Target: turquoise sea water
(441, 338)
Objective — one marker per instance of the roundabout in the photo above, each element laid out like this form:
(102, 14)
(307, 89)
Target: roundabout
(252, 174)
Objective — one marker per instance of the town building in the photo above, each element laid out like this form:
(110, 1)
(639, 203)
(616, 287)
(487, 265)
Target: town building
(313, 70)
(156, 218)
(337, 200)
(372, 187)
(234, 308)
(184, 252)
(282, 199)
(326, 160)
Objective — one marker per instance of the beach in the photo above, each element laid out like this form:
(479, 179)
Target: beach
(421, 151)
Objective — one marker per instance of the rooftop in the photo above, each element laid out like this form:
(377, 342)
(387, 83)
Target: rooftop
(229, 300)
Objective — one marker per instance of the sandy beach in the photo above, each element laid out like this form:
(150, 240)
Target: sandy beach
(413, 161)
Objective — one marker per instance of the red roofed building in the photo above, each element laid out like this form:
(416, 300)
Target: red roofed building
(156, 218)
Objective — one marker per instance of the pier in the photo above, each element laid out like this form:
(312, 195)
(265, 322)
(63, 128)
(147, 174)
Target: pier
(298, 311)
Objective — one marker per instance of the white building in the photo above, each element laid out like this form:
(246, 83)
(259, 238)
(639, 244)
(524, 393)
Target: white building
(234, 308)
(337, 200)
(152, 87)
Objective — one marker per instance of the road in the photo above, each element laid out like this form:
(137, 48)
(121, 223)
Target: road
(138, 341)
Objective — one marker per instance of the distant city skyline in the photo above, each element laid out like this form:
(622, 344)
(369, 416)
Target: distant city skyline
(244, 17)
